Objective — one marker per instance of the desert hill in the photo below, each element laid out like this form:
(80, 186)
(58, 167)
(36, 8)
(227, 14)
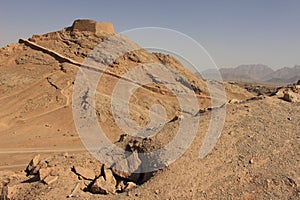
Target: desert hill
(36, 87)
(255, 157)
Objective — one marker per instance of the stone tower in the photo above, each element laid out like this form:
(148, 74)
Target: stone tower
(92, 26)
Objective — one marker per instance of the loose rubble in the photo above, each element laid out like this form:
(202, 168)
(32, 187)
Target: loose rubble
(290, 93)
(291, 96)
(101, 186)
(50, 179)
(33, 164)
(124, 175)
(40, 170)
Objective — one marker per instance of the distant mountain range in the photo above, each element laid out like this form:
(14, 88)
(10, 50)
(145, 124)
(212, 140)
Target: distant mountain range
(256, 73)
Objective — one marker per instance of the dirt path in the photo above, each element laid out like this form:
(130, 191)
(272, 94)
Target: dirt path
(39, 150)
(13, 151)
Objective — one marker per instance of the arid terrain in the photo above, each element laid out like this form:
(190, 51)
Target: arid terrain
(256, 157)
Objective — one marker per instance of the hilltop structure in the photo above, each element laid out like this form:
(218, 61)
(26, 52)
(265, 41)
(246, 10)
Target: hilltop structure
(92, 26)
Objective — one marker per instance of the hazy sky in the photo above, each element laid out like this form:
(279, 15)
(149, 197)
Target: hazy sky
(233, 32)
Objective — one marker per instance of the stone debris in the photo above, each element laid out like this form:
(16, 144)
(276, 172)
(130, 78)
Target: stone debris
(177, 117)
(201, 111)
(112, 181)
(32, 165)
(41, 165)
(233, 101)
(260, 97)
(129, 186)
(290, 93)
(50, 179)
(107, 183)
(108, 176)
(134, 162)
(43, 173)
(290, 96)
(123, 175)
(100, 186)
(123, 172)
(85, 173)
(120, 187)
(128, 168)
(74, 190)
